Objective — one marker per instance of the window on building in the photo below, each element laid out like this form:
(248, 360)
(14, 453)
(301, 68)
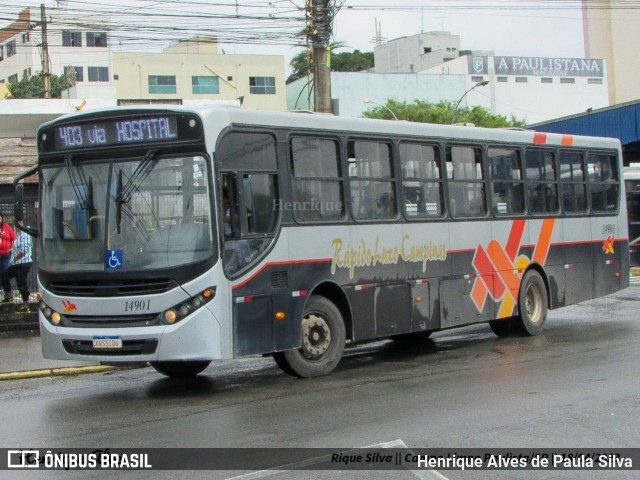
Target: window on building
(573, 182)
(26, 73)
(546, 80)
(477, 78)
(1, 53)
(98, 74)
(96, 39)
(71, 38)
(12, 78)
(502, 79)
(317, 181)
(427, 49)
(205, 84)
(262, 85)
(594, 81)
(25, 37)
(604, 180)
(567, 80)
(522, 79)
(466, 181)
(162, 84)
(421, 180)
(541, 181)
(74, 73)
(371, 179)
(11, 48)
(507, 181)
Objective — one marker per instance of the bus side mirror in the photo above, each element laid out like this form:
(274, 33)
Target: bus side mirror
(18, 206)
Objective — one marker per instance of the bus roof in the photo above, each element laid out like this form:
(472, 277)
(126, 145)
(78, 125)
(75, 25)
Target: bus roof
(318, 121)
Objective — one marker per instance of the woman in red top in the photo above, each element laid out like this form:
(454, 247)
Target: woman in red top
(7, 237)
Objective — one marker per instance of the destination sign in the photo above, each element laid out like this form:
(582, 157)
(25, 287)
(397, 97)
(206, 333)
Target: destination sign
(116, 132)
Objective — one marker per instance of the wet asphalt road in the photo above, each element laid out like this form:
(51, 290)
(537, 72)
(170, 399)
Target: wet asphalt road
(577, 385)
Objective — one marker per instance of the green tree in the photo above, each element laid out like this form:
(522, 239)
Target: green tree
(444, 113)
(33, 87)
(355, 61)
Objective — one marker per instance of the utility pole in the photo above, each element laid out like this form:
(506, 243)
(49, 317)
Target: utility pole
(45, 53)
(319, 35)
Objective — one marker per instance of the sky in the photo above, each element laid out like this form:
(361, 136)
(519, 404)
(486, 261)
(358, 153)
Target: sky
(547, 28)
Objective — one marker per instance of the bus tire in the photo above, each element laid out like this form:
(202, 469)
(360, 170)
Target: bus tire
(532, 304)
(323, 337)
(180, 369)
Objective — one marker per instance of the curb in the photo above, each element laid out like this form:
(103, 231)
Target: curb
(59, 372)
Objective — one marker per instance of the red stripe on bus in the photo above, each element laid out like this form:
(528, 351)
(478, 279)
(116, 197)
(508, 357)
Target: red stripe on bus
(539, 137)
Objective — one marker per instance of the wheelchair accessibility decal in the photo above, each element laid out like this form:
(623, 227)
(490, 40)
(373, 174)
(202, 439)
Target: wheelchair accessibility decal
(114, 259)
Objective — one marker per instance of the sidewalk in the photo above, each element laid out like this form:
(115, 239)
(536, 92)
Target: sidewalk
(21, 358)
(25, 353)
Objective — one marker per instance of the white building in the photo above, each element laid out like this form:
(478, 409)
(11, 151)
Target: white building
(350, 89)
(82, 53)
(416, 53)
(535, 89)
(188, 71)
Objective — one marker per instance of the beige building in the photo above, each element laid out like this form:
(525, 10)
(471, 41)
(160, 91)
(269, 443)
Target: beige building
(194, 70)
(611, 32)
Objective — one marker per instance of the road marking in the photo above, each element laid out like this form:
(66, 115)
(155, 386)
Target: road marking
(282, 469)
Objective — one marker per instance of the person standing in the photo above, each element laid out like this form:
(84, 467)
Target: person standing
(7, 237)
(21, 261)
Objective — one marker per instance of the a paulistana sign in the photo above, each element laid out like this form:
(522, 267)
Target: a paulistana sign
(537, 66)
(552, 67)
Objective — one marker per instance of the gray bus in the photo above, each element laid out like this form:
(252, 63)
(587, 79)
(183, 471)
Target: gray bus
(183, 235)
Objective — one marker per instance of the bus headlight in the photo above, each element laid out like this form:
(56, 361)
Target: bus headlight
(54, 317)
(187, 307)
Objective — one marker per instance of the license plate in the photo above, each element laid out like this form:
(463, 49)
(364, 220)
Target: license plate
(107, 342)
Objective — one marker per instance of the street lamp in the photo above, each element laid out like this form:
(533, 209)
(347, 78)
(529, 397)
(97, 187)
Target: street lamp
(455, 110)
(366, 100)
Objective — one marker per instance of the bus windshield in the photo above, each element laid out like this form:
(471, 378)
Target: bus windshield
(135, 214)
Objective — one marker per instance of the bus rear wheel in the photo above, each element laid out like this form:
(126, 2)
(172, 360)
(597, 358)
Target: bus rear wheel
(323, 337)
(532, 304)
(180, 369)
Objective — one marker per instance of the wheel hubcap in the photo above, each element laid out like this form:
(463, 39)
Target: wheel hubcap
(534, 304)
(316, 336)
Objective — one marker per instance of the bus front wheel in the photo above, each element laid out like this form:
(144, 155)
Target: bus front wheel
(323, 337)
(180, 369)
(532, 304)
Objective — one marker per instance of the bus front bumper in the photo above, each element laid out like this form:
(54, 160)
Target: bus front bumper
(197, 337)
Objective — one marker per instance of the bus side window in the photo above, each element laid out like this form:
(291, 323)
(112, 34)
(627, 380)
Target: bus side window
(507, 181)
(371, 178)
(421, 180)
(603, 182)
(542, 182)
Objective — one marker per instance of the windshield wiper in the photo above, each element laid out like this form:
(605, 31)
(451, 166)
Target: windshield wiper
(83, 189)
(124, 191)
